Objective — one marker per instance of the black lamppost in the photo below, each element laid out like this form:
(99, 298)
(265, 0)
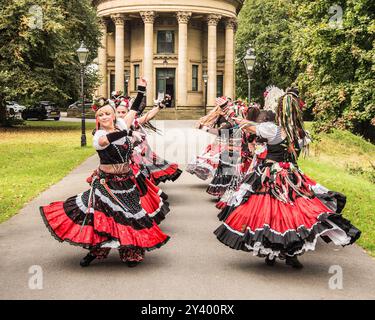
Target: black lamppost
(205, 79)
(83, 54)
(249, 62)
(127, 78)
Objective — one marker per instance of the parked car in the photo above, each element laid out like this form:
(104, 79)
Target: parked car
(42, 110)
(78, 105)
(13, 107)
(75, 109)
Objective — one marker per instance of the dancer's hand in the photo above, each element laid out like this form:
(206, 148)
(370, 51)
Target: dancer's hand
(142, 82)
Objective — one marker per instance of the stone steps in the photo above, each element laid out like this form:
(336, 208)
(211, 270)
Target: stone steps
(179, 114)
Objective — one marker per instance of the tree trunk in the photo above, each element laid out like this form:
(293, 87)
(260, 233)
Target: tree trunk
(3, 119)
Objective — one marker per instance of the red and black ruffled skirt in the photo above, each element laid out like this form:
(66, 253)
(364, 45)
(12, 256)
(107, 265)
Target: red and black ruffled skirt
(225, 174)
(153, 199)
(110, 213)
(278, 211)
(205, 165)
(158, 169)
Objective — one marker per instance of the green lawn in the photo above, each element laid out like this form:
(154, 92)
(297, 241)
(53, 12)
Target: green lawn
(36, 156)
(344, 162)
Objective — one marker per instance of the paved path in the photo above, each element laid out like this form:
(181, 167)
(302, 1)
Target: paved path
(193, 265)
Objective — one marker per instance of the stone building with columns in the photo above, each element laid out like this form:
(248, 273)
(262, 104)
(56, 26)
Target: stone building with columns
(173, 44)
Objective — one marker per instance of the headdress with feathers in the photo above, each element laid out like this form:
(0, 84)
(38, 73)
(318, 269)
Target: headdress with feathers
(271, 97)
(122, 102)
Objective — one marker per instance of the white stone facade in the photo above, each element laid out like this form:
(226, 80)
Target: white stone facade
(171, 43)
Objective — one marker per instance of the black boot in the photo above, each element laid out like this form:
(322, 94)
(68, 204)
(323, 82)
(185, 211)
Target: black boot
(270, 262)
(85, 262)
(293, 261)
(132, 264)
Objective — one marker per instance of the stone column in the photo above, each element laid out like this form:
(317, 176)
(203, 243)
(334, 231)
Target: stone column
(102, 59)
(183, 19)
(230, 26)
(119, 20)
(234, 64)
(212, 21)
(148, 18)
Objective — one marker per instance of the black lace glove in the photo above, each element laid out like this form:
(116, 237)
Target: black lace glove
(114, 136)
(136, 106)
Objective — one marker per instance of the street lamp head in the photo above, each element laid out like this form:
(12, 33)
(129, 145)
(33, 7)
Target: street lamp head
(127, 75)
(83, 54)
(205, 77)
(249, 60)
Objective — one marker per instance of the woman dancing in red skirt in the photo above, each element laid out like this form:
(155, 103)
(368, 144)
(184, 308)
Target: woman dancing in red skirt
(280, 212)
(110, 214)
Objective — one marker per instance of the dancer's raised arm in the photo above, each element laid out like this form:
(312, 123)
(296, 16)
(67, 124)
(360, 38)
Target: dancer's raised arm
(129, 118)
(149, 115)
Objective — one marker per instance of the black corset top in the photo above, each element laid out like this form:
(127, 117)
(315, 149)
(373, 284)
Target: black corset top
(116, 153)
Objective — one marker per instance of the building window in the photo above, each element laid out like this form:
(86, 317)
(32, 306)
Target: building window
(165, 41)
(194, 85)
(111, 84)
(220, 81)
(136, 76)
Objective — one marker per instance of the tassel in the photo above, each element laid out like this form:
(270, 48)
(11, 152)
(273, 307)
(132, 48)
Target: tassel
(113, 196)
(295, 188)
(265, 175)
(90, 204)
